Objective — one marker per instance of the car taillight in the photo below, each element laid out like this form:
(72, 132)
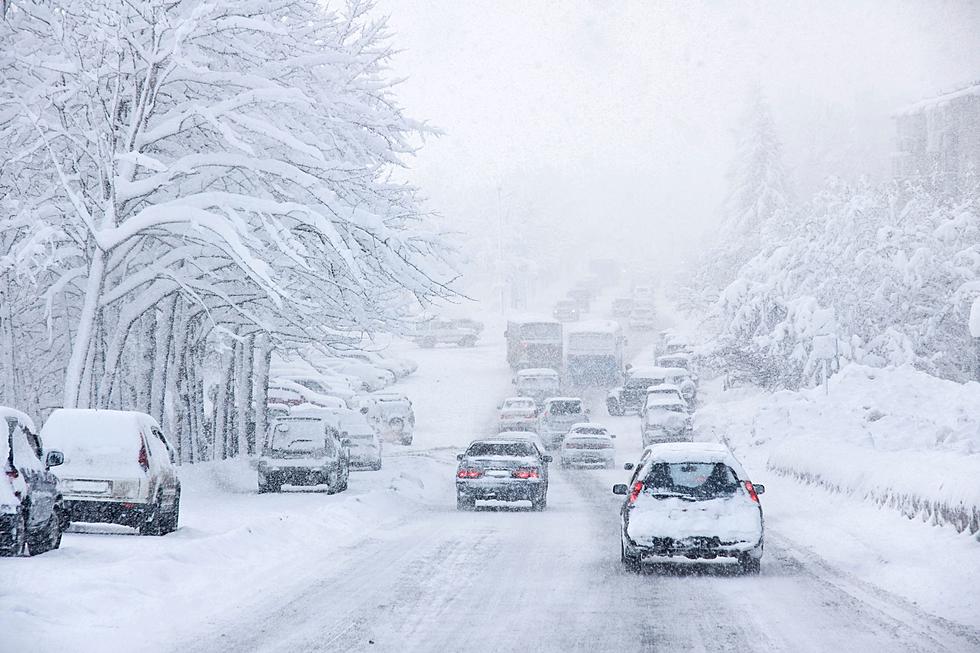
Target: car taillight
(12, 472)
(143, 459)
(525, 472)
(469, 473)
(635, 494)
(751, 490)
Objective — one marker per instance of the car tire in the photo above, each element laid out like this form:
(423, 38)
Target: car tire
(19, 545)
(172, 517)
(47, 538)
(630, 563)
(467, 342)
(464, 502)
(376, 466)
(749, 565)
(153, 524)
(343, 478)
(540, 502)
(406, 441)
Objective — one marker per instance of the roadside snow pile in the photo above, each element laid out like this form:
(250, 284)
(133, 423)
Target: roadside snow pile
(897, 437)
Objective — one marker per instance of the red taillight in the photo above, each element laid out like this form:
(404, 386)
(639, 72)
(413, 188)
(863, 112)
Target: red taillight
(751, 490)
(143, 459)
(525, 472)
(12, 472)
(469, 473)
(635, 494)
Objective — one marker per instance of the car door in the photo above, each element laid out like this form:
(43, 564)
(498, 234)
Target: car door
(165, 459)
(42, 484)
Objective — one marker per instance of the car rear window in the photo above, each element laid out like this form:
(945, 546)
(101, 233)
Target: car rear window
(565, 407)
(700, 480)
(301, 436)
(500, 449)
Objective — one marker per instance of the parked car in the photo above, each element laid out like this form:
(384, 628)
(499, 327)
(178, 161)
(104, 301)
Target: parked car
(368, 376)
(434, 332)
(566, 311)
(467, 323)
(557, 415)
(622, 306)
(517, 414)
(693, 501)
(538, 383)
(364, 441)
(304, 450)
(502, 469)
(32, 512)
(293, 393)
(329, 385)
(665, 419)
(400, 367)
(582, 297)
(391, 414)
(664, 390)
(588, 444)
(118, 468)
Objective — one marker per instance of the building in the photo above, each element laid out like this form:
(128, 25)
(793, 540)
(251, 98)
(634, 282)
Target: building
(939, 139)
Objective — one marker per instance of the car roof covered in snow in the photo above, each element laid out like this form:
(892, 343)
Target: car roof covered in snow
(509, 436)
(695, 452)
(537, 371)
(588, 425)
(658, 372)
(550, 399)
(663, 388)
(92, 424)
(532, 319)
(21, 417)
(655, 399)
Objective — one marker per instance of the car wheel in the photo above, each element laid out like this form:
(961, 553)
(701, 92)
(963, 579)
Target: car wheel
(47, 538)
(467, 342)
(344, 476)
(750, 566)
(406, 441)
(540, 502)
(464, 502)
(153, 525)
(19, 543)
(630, 563)
(377, 465)
(173, 517)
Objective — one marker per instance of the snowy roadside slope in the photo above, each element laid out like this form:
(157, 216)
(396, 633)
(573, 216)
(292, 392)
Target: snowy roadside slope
(894, 437)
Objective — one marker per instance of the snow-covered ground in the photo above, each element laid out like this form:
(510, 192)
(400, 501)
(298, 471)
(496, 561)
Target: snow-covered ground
(391, 565)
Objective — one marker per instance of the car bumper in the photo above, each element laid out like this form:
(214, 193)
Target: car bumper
(517, 424)
(367, 459)
(693, 548)
(124, 513)
(588, 458)
(296, 476)
(660, 437)
(502, 490)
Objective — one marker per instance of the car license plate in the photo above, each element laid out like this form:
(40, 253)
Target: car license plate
(498, 473)
(91, 487)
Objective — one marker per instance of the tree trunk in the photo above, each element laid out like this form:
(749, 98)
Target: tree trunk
(75, 373)
(246, 419)
(261, 391)
(161, 357)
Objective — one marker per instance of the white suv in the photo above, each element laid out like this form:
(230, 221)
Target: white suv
(118, 468)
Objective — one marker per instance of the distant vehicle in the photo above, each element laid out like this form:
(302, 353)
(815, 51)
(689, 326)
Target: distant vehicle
(675, 344)
(644, 294)
(517, 414)
(533, 342)
(606, 270)
(400, 367)
(676, 376)
(370, 376)
(643, 318)
(665, 419)
(434, 332)
(664, 390)
(365, 443)
(622, 306)
(693, 501)
(566, 310)
(304, 450)
(582, 297)
(594, 352)
(678, 359)
(32, 512)
(118, 468)
(467, 323)
(538, 383)
(293, 393)
(502, 469)
(391, 414)
(324, 382)
(588, 444)
(556, 416)
(631, 396)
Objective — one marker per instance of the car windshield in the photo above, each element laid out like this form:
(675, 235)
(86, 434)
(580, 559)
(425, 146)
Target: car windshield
(671, 407)
(586, 430)
(540, 331)
(641, 383)
(571, 407)
(537, 382)
(701, 480)
(521, 449)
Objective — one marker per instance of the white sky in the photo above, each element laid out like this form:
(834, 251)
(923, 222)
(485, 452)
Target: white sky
(616, 117)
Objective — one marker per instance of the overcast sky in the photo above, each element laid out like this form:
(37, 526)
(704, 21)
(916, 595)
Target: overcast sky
(617, 117)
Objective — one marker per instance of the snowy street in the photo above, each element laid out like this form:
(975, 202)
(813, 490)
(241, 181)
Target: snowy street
(391, 565)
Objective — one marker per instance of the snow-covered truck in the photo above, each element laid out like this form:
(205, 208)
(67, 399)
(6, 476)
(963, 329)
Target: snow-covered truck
(534, 342)
(594, 353)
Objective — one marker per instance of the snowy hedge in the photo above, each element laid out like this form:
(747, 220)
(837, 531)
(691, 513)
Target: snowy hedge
(896, 437)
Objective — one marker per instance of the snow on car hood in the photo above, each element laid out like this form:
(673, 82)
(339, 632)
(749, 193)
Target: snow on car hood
(731, 519)
(668, 418)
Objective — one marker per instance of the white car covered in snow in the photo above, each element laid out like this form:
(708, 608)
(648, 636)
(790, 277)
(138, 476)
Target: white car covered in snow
(517, 414)
(665, 419)
(390, 413)
(588, 444)
(304, 450)
(690, 501)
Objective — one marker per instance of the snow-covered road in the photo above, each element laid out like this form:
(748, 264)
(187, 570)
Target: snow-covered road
(392, 566)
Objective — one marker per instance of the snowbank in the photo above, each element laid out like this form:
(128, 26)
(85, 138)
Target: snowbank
(896, 437)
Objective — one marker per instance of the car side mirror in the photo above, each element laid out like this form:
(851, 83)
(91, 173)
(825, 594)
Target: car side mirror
(628, 466)
(54, 458)
(547, 459)
(459, 456)
(759, 488)
(620, 488)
